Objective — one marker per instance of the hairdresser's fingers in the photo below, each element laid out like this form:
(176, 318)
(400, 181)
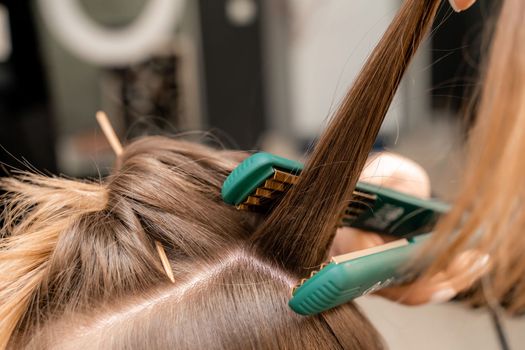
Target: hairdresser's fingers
(461, 5)
(433, 290)
(470, 266)
(462, 273)
(443, 286)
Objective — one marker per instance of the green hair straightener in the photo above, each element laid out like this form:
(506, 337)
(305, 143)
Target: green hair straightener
(355, 274)
(260, 181)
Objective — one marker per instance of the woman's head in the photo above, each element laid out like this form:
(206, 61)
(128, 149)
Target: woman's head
(96, 279)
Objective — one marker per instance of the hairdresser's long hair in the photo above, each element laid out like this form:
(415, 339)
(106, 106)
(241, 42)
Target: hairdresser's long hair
(488, 214)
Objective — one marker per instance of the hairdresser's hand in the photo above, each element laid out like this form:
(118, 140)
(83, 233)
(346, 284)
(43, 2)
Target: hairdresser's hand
(406, 176)
(461, 5)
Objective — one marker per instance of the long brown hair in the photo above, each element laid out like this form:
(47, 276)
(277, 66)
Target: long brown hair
(307, 221)
(79, 267)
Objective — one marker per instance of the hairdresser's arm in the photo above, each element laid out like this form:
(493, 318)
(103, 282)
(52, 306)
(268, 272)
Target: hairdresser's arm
(404, 175)
(461, 5)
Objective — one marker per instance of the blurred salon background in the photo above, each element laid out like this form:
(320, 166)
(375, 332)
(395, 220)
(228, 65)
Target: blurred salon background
(246, 74)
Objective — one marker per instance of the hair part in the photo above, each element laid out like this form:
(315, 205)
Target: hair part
(235, 302)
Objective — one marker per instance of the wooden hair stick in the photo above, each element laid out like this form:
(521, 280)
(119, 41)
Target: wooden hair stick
(113, 140)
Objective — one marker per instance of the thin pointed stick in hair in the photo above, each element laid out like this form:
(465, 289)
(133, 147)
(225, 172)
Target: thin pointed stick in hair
(113, 140)
(109, 132)
(165, 261)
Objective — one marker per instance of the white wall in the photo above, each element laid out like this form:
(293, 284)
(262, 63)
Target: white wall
(329, 42)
